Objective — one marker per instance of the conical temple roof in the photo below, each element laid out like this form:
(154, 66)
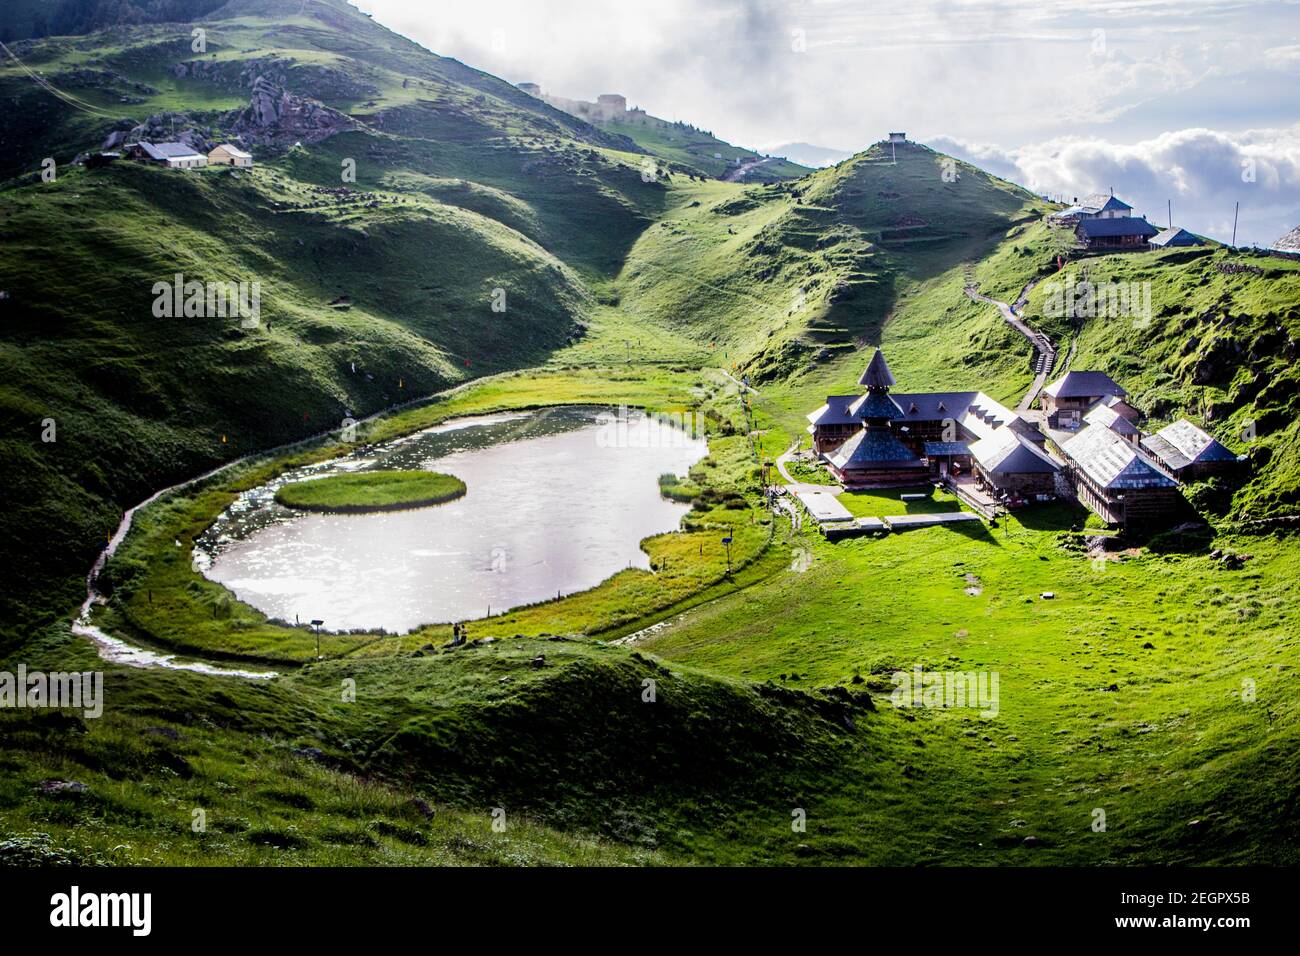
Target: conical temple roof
(877, 374)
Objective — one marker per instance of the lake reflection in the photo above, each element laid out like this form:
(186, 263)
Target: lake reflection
(558, 500)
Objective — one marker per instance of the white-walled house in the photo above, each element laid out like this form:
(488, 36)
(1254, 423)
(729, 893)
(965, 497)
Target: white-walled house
(228, 155)
(172, 155)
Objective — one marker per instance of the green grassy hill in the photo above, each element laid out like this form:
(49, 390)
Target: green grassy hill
(785, 278)
(1124, 692)
(703, 152)
(373, 291)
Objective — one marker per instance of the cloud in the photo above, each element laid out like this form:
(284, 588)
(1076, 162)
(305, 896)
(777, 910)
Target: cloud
(1203, 172)
(990, 70)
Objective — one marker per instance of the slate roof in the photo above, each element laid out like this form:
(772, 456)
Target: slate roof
(874, 448)
(1109, 228)
(1102, 202)
(1084, 385)
(165, 151)
(1105, 416)
(1006, 453)
(877, 405)
(877, 374)
(1112, 463)
(936, 449)
(1176, 237)
(836, 411)
(1182, 444)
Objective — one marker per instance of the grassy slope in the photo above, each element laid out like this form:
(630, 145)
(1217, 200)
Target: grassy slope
(701, 151)
(1220, 349)
(1171, 744)
(464, 186)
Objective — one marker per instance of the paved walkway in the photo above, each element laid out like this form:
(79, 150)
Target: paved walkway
(1044, 350)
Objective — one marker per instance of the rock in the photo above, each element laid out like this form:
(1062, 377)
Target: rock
(169, 732)
(422, 807)
(1112, 689)
(310, 753)
(1049, 595)
(62, 786)
(1031, 841)
(539, 662)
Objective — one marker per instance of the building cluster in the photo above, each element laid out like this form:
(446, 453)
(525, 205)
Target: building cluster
(184, 156)
(1092, 447)
(1104, 223)
(608, 108)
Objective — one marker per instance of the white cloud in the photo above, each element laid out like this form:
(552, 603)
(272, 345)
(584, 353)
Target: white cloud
(1203, 172)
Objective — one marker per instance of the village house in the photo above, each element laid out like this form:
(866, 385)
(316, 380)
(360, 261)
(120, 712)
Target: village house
(898, 137)
(1188, 453)
(1171, 238)
(1119, 234)
(171, 155)
(896, 439)
(1104, 416)
(1096, 206)
(1068, 398)
(1117, 481)
(228, 155)
(1103, 222)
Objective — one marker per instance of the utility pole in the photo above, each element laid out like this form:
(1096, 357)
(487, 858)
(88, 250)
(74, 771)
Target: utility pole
(1171, 212)
(1234, 223)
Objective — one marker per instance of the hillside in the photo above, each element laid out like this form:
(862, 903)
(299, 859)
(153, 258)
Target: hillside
(785, 278)
(631, 273)
(703, 152)
(373, 291)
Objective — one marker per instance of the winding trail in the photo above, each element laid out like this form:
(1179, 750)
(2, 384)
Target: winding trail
(1044, 349)
(738, 173)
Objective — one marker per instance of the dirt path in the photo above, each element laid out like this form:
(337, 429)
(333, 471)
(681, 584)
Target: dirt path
(1044, 348)
(740, 172)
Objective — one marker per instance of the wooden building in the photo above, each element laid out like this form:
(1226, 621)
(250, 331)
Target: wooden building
(1173, 238)
(1104, 416)
(1068, 399)
(1123, 234)
(1116, 480)
(1188, 453)
(886, 438)
(1007, 463)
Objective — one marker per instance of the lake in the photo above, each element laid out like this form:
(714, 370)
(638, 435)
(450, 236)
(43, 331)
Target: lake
(558, 500)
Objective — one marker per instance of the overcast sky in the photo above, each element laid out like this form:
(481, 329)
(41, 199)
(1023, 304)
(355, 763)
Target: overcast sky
(1194, 101)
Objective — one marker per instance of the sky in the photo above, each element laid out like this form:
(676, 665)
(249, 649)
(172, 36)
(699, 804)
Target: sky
(1194, 102)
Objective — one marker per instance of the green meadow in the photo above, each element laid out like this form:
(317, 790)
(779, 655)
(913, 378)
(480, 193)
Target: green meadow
(692, 713)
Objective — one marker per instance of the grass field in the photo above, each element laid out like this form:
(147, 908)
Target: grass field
(677, 715)
(371, 491)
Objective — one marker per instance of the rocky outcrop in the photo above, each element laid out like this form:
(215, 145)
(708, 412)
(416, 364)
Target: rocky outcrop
(276, 117)
(320, 82)
(1290, 242)
(163, 128)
